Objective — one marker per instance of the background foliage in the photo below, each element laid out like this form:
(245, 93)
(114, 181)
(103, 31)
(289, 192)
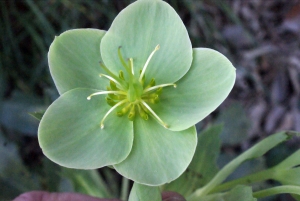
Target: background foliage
(261, 38)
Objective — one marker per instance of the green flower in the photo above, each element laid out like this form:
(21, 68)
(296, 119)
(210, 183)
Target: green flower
(133, 103)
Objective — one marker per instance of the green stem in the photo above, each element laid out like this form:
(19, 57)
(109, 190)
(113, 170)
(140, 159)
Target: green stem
(249, 179)
(277, 190)
(124, 190)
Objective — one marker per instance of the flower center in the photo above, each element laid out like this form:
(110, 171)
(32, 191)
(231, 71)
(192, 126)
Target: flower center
(132, 96)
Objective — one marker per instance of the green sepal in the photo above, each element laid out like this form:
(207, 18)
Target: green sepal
(141, 192)
(70, 133)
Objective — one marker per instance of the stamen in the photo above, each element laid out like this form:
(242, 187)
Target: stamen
(105, 92)
(154, 114)
(112, 79)
(131, 66)
(110, 110)
(124, 110)
(147, 62)
(159, 86)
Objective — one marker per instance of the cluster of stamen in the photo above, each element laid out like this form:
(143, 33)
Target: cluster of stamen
(129, 97)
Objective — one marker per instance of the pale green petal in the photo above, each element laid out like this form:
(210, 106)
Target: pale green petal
(70, 134)
(158, 155)
(74, 60)
(139, 28)
(199, 92)
(141, 192)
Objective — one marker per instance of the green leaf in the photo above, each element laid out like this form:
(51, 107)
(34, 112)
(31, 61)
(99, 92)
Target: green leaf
(139, 28)
(14, 176)
(236, 124)
(203, 166)
(87, 182)
(74, 60)
(256, 151)
(199, 92)
(70, 133)
(158, 155)
(141, 192)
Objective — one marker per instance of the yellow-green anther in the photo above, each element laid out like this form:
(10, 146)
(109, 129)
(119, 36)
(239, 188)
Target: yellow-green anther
(114, 97)
(113, 86)
(143, 114)
(152, 100)
(131, 114)
(121, 97)
(151, 84)
(147, 62)
(159, 90)
(120, 114)
(110, 101)
(121, 75)
(126, 108)
(143, 79)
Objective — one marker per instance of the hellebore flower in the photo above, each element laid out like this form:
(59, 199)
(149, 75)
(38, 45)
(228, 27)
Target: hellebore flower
(133, 103)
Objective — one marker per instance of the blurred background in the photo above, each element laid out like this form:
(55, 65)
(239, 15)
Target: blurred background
(260, 37)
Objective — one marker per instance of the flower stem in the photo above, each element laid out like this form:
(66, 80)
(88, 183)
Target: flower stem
(249, 179)
(277, 190)
(124, 190)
